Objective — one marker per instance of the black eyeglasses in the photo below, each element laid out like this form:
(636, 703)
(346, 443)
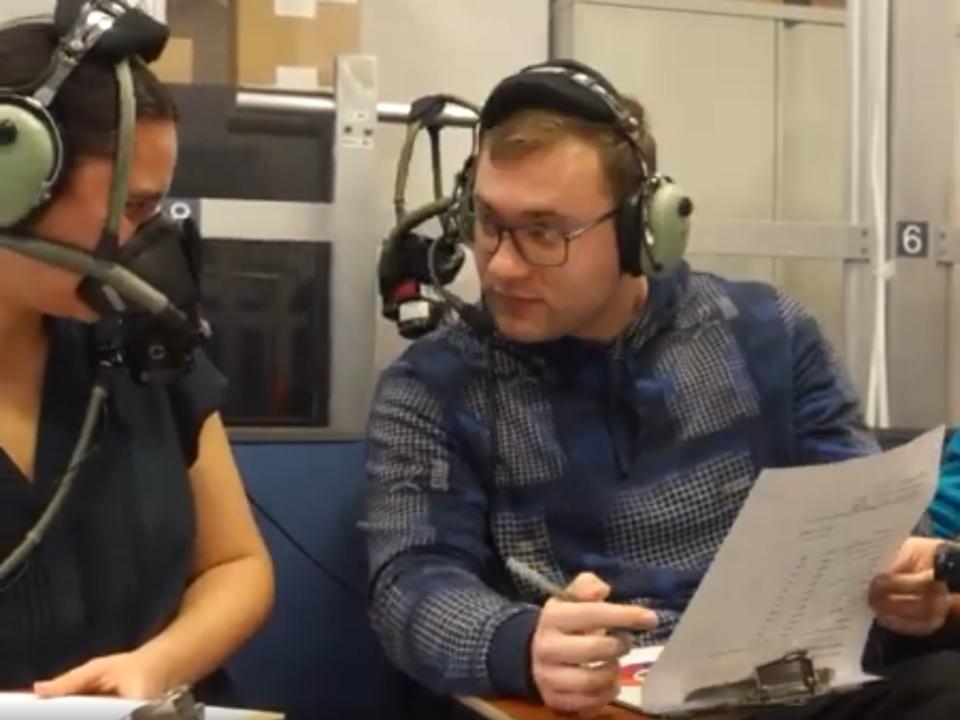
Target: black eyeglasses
(539, 245)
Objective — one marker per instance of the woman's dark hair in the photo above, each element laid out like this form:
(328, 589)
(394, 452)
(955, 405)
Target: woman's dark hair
(86, 106)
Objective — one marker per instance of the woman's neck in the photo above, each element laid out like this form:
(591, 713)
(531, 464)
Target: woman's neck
(22, 340)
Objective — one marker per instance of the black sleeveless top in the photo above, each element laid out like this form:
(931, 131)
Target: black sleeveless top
(113, 567)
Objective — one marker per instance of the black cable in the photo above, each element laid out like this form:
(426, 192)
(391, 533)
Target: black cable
(436, 161)
(323, 569)
(81, 452)
(6, 580)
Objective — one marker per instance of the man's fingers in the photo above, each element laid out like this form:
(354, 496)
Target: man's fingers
(583, 679)
(910, 603)
(560, 649)
(591, 616)
(587, 587)
(918, 614)
(914, 628)
(902, 583)
(907, 607)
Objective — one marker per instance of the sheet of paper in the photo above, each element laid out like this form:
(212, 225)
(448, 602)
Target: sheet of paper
(24, 706)
(794, 570)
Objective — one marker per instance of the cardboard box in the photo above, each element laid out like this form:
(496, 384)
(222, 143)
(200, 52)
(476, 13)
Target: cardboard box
(208, 24)
(176, 63)
(292, 44)
(200, 48)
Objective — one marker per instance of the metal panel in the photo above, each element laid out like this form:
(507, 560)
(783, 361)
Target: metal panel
(946, 244)
(256, 220)
(922, 123)
(800, 127)
(857, 312)
(822, 241)
(955, 210)
(950, 250)
(17, 9)
(813, 115)
(235, 154)
(868, 70)
(561, 28)
(734, 8)
(953, 348)
(355, 253)
(708, 82)
(325, 104)
(813, 120)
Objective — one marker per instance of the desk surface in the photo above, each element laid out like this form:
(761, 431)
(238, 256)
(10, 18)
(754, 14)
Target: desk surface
(520, 710)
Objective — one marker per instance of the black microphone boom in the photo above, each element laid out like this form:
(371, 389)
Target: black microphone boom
(477, 318)
(130, 287)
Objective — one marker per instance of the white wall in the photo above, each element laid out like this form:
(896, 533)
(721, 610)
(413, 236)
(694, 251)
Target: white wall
(14, 9)
(461, 47)
(158, 8)
(955, 210)
(750, 115)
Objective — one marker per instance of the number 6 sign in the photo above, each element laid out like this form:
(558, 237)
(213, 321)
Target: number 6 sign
(913, 239)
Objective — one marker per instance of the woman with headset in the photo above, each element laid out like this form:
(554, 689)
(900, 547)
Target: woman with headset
(153, 572)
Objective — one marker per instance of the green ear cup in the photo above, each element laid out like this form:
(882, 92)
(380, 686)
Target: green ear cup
(668, 227)
(29, 160)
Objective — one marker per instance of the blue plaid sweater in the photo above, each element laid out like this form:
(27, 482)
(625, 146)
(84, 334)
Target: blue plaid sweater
(629, 459)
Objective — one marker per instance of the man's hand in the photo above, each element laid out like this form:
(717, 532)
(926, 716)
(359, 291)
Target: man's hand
(575, 662)
(906, 599)
(135, 676)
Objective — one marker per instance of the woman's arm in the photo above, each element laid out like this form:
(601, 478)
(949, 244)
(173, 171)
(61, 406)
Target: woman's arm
(229, 595)
(231, 591)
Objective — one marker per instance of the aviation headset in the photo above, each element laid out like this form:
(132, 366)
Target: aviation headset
(150, 287)
(652, 222)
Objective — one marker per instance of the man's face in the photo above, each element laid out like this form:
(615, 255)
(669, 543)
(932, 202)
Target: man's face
(561, 186)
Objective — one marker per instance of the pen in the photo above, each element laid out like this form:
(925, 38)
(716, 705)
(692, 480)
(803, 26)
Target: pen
(525, 572)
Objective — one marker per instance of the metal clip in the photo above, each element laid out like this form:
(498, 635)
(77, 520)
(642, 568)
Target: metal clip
(791, 680)
(177, 704)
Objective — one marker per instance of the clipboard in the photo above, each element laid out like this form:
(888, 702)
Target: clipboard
(794, 679)
(791, 680)
(781, 614)
(179, 704)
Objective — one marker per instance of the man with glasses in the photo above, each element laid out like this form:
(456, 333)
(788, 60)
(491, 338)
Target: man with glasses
(605, 433)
